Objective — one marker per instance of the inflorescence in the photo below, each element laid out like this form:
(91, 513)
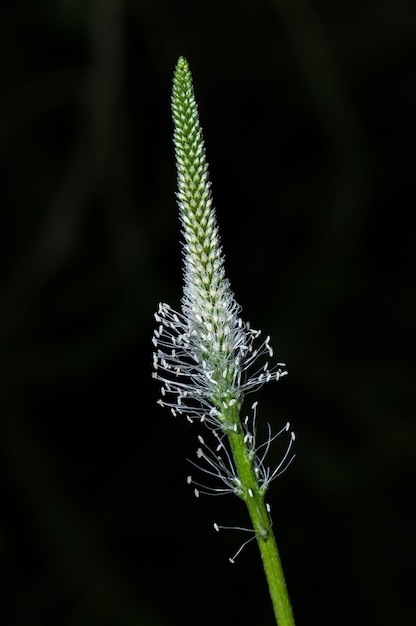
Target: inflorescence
(206, 358)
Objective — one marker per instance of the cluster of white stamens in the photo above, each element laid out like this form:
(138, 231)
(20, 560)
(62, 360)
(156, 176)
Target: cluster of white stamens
(198, 380)
(216, 462)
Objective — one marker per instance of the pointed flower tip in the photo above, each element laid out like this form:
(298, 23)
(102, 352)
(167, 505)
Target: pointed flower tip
(182, 64)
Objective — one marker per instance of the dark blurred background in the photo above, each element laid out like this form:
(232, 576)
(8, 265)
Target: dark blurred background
(308, 109)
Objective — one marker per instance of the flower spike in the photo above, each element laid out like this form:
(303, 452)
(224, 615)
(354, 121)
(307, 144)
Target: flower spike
(206, 358)
(206, 355)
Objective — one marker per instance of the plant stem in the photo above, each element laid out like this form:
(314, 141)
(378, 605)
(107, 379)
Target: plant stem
(266, 542)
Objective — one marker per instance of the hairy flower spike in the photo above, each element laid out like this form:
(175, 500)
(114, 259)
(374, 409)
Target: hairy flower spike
(206, 358)
(206, 355)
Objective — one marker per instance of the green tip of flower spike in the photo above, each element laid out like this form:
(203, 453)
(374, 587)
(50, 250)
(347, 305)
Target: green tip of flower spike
(182, 64)
(182, 72)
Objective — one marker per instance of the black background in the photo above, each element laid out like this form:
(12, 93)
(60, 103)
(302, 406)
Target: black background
(308, 110)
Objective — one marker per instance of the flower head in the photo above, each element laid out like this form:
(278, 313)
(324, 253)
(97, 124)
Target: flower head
(206, 357)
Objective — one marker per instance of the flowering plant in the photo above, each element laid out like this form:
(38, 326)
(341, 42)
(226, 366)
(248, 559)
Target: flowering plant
(207, 359)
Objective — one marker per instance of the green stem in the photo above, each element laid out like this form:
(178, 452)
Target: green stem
(254, 499)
